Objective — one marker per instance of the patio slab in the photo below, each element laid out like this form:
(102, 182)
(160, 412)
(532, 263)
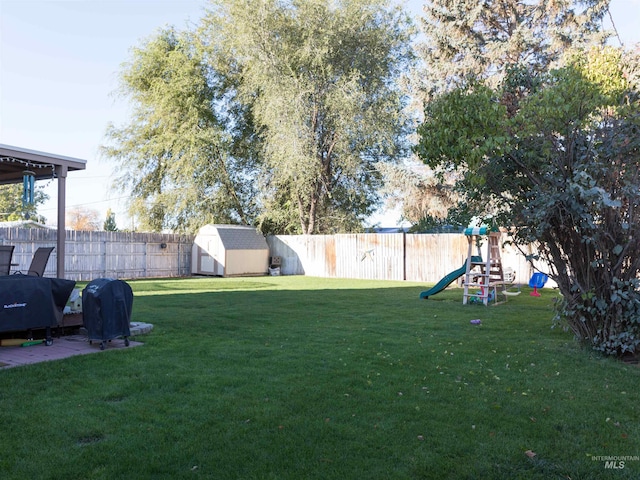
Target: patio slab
(66, 346)
(62, 347)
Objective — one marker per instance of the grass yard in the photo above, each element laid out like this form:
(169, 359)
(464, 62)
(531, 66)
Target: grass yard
(307, 378)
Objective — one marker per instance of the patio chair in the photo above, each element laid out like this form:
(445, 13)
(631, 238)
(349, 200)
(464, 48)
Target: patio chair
(6, 254)
(39, 261)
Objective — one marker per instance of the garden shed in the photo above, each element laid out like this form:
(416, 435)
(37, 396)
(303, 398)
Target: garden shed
(229, 250)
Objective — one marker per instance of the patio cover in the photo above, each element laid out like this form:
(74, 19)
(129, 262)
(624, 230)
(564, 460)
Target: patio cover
(14, 161)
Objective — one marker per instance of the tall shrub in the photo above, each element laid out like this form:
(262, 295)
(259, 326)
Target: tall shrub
(557, 155)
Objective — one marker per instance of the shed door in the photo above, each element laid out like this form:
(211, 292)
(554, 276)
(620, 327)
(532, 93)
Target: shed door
(215, 250)
(206, 262)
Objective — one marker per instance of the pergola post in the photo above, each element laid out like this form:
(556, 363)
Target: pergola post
(61, 175)
(13, 163)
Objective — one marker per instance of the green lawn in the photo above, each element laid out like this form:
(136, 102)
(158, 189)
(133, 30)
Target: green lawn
(307, 378)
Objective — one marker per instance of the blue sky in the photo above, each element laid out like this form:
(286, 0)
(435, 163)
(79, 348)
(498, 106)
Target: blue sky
(59, 61)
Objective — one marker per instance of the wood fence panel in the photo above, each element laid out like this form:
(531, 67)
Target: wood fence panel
(313, 255)
(371, 256)
(287, 247)
(330, 255)
(318, 256)
(347, 265)
(414, 257)
(91, 255)
(429, 257)
(366, 256)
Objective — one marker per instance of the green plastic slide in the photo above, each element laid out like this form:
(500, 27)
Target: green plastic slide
(448, 279)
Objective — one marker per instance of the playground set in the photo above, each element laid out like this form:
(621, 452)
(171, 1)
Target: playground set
(484, 280)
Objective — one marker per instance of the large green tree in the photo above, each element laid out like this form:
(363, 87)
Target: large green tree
(557, 156)
(187, 154)
(271, 112)
(466, 40)
(321, 79)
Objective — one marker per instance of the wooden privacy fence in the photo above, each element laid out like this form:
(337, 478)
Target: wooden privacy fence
(389, 256)
(395, 256)
(91, 255)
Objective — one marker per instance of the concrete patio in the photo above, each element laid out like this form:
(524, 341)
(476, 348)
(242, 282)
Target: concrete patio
(64, 347)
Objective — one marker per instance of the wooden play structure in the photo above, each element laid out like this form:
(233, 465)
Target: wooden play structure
(484, 277)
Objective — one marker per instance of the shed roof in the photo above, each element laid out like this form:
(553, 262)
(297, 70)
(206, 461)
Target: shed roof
(237, 237)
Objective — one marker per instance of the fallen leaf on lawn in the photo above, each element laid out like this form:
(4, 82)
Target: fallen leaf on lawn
(530, 454)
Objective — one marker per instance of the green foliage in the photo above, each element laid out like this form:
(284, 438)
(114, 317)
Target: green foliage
(110, 222)
(462, 140)
(466, 40)
(268, 112)
(320, 77)
(186, 156)
(458, 217)
(469, 49)
(561, 165)
(12, 208)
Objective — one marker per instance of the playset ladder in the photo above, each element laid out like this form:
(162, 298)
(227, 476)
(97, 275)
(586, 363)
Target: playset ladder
(483, 276)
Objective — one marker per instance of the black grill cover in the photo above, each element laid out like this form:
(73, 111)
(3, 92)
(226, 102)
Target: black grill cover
(28, 302)
(106, 308)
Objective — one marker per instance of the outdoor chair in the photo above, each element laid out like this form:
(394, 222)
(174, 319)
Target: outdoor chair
(39, 261)
(6, 254)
